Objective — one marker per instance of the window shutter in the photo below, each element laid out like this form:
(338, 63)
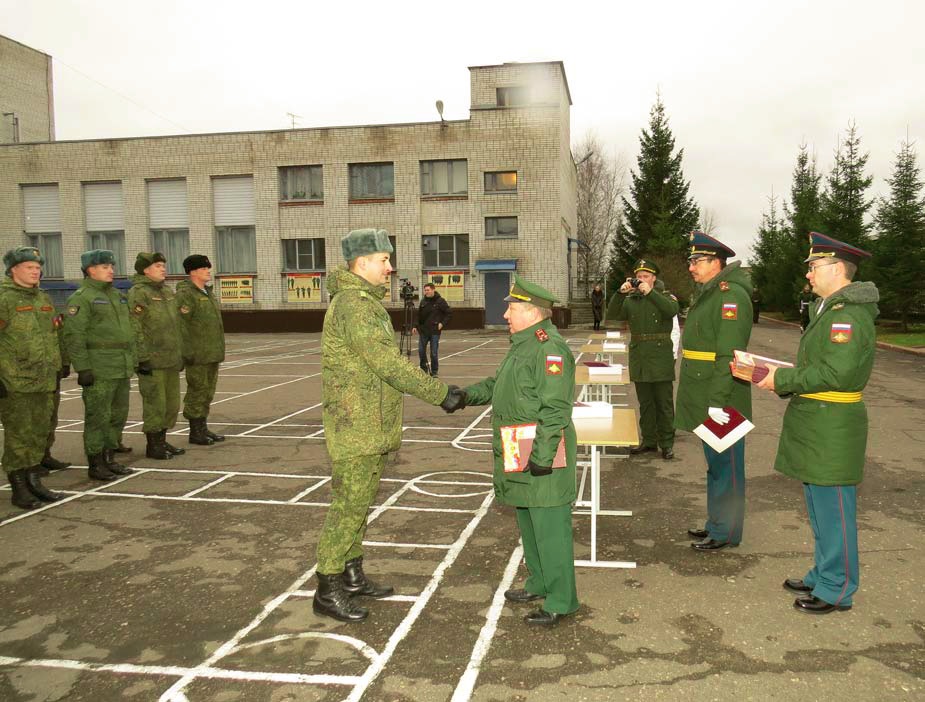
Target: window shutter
(41, 208)
(103, 207)
(233, 201)
(167, 207)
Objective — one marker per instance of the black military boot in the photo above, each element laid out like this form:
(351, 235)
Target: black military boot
(121, 448)
(109, 458)
(156, 449)
(49, 462)
(34, 482)
(22, 496)
(98, 469)
(211, 434)
(171, 449)
(197, 432)
(358, 585)
(331, 600)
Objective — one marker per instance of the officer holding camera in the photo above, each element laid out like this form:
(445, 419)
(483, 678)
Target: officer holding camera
(433, 315)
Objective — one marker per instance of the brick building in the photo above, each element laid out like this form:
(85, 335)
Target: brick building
(26, 98)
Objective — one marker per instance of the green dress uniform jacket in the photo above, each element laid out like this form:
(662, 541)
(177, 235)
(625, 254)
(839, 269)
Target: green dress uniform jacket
(155, 322)
(201, 329)
(718, 322)
(535, 383)
(97, 331)
(823, 441)
(651, 356)
(363, 373)
(30, 356)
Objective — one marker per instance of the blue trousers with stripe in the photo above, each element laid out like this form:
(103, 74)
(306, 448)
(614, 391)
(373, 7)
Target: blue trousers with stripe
(726, 492)
(833, 515)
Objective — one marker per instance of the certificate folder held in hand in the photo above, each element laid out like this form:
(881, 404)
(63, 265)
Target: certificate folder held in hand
(517, 444)
(752, 367)
(720, 437)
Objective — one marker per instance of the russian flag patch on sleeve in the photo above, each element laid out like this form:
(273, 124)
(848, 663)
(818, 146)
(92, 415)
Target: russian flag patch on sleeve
(840, 333)
(554, 365)
(730, 310)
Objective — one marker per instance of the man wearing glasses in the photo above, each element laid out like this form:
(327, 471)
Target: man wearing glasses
(719, 321)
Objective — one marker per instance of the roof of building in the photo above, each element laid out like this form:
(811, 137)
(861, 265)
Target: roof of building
(560, 64)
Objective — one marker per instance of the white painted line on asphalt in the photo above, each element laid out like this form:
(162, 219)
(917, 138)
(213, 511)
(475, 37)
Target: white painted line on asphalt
(269, 387)
(311, 489)
(390, 598)
(456, 443)
(401, 545)
(270, 424)
(215, 482)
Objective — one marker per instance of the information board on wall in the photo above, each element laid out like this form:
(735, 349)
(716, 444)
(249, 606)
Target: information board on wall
(236, 289)
(450, 284)
(304, 287)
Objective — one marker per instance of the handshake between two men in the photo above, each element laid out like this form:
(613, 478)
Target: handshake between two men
(455, 399)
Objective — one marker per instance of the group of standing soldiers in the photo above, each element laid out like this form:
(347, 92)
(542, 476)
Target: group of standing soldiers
(107, 336)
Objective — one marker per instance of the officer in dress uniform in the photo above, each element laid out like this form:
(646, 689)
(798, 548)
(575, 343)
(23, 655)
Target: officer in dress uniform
(718, 322)
(824, 435)
(98, 338)
(535, 384)
(650, 311)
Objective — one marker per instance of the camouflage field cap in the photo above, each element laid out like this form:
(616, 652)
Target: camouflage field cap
(96, 257)
(822, 246)
(525, 291)
(364, 242)
(148, 258)
(21, 254)
(644, 264)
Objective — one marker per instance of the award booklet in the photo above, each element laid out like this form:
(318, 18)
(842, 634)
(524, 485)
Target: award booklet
(720, 437)
(752, 367)
(517, 444)
(602, 368)
(613, 335)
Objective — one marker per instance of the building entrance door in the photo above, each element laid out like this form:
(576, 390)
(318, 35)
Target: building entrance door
(497, 286)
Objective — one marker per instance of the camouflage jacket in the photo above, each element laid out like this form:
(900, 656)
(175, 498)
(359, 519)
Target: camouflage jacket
(97, 331)
(363, 373)
(201, 330)
(154, 320)
(29, 355)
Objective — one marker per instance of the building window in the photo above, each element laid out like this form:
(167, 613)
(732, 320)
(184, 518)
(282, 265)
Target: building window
(512, 96)
(50, 247)
(111, 241)
(303, 254)
(174, 244)
(446, 251)
(372, 181)
(501, 227)
(501, 182)
(444, 178)
(300, 183)
(237, 249)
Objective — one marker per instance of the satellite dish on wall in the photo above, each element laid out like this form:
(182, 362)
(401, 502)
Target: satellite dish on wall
(440, 109)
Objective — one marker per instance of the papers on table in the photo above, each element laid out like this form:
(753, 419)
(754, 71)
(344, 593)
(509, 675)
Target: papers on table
(602, 368)
(720, 437)
(612, 345)
(613, 335)
(592, 410)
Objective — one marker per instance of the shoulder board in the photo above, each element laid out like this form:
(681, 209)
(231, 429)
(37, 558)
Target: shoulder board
(100, 301)
(838, 306)
(363, 293)
(723, 285)
(673, 297)
(541, 335)
(24, 308)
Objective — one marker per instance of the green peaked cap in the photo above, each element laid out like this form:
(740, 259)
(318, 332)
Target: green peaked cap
(525, 291)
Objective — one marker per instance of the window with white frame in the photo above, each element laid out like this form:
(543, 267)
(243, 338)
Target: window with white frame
(512, 96)
(372, 181)
(103, 212)
(168, 219)
(50, 247)
(303, 254)
(235, 232)
(445, 251)
(174, 244)
(42, 226)
(501, 227)
(447, 178)
(301, 183)
(236, 249)
(501, 182)
(110, 241)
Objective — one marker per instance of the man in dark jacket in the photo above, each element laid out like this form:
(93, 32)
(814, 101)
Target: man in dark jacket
(433, 315)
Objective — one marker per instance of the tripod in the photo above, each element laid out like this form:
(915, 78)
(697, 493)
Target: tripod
(406, 327)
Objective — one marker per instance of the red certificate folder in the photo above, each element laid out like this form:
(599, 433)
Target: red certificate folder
(752, 367)
(517, 444)
(720, 437)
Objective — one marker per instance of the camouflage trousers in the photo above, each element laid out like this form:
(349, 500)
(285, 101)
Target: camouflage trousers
(25, 417)
(55, 404)
(200, 389)
(105, 412)
(354, 484)
(160, 399)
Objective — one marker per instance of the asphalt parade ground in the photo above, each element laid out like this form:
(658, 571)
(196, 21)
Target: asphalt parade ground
(192, 579)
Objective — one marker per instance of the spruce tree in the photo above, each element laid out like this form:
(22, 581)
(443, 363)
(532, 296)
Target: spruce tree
(802, 215)
(844, 205)
(768, 259)
(900, 248)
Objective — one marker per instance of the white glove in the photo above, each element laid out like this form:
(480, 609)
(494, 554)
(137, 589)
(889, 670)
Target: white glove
(717, 415)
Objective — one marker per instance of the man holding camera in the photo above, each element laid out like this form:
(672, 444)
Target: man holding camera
(650, 312)
(433, 314)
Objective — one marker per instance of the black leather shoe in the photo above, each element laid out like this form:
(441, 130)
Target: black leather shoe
(667, 454)
(521, 595)
(698, 533)
(797, 586)
(543, 618)
(356, 584)
(711, 545)
(642, 449)
(813, 605)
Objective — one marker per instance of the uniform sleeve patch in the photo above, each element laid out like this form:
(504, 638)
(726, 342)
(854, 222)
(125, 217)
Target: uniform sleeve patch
(840, 333)
(46, 308)
(2, 323)
(184, 309)
(542, 336)
(730, 310)
(73, 309)
(724, 286)
(24, 308)
(58, 321)
(553, 364)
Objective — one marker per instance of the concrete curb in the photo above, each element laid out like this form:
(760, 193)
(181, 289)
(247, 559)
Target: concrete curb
(880, 344)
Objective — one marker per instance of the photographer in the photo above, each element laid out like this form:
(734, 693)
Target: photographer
(433, 315)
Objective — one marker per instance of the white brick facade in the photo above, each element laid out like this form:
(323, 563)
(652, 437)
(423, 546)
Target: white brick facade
(25, 94)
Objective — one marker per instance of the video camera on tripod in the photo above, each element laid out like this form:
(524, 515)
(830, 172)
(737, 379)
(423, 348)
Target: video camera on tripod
(408, 294)
(406, 291)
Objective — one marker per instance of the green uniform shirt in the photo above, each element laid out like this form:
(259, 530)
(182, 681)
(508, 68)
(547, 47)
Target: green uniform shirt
(719, 321)
(29, 354)
(651, 354)
(535, 383)
(155, 323)
(97, 331)
(824, 442)
(201, 329)
(363, 373)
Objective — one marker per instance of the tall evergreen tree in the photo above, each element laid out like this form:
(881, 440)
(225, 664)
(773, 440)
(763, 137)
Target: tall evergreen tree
(900, 247)
(844, 205)
(768, 260)
(657, 221)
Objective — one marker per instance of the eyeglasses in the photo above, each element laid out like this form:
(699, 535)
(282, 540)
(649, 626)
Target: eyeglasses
(811, 268)
(701, 259)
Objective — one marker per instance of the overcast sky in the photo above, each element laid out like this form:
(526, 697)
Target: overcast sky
(744, 83)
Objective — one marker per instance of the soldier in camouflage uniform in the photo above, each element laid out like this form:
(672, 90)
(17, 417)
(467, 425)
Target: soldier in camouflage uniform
(363, 376)
(203, 345)
(157, 346)
(98, 339)
(30, 360)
